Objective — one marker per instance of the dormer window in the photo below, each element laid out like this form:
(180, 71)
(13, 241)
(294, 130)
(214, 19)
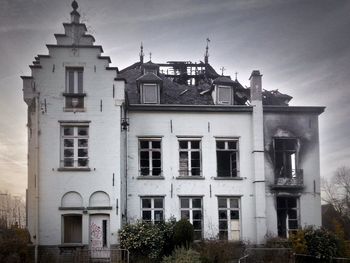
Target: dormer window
(74, 88)
(224, 95)
(150, 93)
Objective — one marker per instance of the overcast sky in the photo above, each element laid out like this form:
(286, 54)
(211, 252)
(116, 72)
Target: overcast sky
(302, 47)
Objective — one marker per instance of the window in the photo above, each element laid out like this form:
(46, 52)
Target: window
(287, 215)
(72, 228)
(152, 209)
(150, 157)
(286, 157)
(74, 88)
(74, 140)
(227, 158)
(190, 157)
(224, 95)
(150, 93)
(191, 209)
(229, 215)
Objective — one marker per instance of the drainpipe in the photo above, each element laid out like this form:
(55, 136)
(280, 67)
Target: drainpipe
(258, 156)
(37, 108)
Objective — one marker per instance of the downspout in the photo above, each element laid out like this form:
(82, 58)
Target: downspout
(126, 163)
(37, 180)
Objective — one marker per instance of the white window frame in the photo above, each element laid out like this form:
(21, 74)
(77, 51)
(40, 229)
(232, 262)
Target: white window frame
(152, 209)
(76, 139)
(224, 102)
(190, 151)
(190, 210)
(287, 208)
(227, 149)
(150, 151)
(143, 93)
(228, 210)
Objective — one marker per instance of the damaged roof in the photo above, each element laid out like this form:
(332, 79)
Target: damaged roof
(174, 91)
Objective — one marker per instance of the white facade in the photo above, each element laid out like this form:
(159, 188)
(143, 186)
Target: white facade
(85, 177)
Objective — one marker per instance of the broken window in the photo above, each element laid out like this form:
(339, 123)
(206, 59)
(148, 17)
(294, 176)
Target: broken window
(72, 228)
(287, 215)
(152, 209)
(74, 141)
(150, 157)
(224, 95)
(191, 209)
(227, 158)
(190, 157)
(286, 153)
(229, 218)
(150, 93)
(74, 88)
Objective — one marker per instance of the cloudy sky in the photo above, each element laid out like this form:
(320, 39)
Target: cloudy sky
(302, 47)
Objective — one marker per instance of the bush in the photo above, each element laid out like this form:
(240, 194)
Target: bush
(13, 245)
(219, 251)
(316, 242)
(182, 255)
(183, 233)
(146, 240)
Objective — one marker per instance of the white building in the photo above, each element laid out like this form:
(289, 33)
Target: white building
(157, 140)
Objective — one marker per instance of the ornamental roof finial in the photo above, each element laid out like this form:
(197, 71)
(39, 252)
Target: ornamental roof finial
(75, 5)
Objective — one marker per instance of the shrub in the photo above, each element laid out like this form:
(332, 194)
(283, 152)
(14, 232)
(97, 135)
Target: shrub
(183, 233)
(147, 240)
(316, 242)
(219, 251)
(182, 255)
(13, 245)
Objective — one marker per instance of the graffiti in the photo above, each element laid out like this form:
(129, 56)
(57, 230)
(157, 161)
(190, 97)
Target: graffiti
(95, 231)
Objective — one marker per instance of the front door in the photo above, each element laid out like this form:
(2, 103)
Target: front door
(99, 236)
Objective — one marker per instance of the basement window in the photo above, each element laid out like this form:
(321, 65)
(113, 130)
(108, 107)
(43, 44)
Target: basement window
(227, 157)
(190, 157)
(74, 95)
(72, 229)
(150, 157)
(150, 93)
(286, 157)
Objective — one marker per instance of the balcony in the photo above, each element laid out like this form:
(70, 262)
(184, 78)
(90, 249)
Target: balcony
(293, 180)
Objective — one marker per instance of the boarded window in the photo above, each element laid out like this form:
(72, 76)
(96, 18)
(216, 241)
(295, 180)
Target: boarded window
(72, 229)
(190, 157)
(150, 93)
(224, 95)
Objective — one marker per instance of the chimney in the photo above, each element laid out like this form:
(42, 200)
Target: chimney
(255, 86)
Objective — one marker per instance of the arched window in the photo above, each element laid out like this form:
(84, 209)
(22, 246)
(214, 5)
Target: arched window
(99, 199)
(71, 199)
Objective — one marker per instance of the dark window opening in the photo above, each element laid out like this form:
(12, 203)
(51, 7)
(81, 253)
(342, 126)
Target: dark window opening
(150, 157)
(104, 233)
(152, 209)
(227, 158)
(287, 215)
(74, 88)
(286, 157)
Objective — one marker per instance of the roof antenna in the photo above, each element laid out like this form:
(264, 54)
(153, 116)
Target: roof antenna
(141, 53)
(222, 70)
(206, 56)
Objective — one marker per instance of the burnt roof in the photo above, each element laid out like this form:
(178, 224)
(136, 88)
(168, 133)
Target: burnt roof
(174, 91)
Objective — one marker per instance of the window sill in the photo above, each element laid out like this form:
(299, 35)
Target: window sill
(70, 245)
(190, 178)
(75, 95)
(150, 177)
(72, 169)
(99, 208)
(71, 208)
(74, 109)
(229, 178)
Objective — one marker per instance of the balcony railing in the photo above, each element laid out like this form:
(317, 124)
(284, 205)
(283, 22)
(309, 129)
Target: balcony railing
(295, 180)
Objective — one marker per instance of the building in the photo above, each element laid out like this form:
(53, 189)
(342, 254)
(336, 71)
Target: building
(157, 140)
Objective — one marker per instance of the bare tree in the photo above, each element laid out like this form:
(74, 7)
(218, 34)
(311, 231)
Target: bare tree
(12, 211)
